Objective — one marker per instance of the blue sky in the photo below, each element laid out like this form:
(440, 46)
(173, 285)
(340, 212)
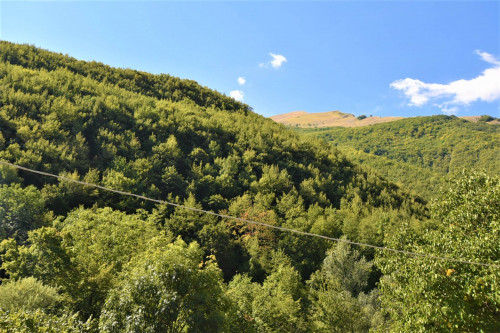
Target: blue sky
(385, 58)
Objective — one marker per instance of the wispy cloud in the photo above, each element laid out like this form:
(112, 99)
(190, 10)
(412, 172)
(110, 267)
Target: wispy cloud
(276, 61)
(449, 97)
(241, 80)
(488, 57)
(237, 95)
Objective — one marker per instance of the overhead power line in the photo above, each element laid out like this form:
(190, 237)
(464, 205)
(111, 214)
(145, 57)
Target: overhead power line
(382, 248)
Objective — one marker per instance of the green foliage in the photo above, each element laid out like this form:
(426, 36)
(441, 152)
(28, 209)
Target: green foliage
(90, 122)
(22, 321)
(336, 291)
(28, 294)
(83, 256)
(422, 294)
(101, 242)
(344, 266)
(21, 210)
(27, 305)
(278, 305)
(486, 118)
(8, 175)
(62, 197)
(168, 290)
(272, 181)
(44, 257)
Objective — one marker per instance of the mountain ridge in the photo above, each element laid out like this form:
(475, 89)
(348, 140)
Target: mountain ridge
(336, 118)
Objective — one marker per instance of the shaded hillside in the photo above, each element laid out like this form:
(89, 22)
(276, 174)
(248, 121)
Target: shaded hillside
(418, 152)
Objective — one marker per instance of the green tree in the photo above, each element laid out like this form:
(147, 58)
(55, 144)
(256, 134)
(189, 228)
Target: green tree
(169, 289)
(336, 290)
(28, 294)
(423, 294)
(278, 305)
(44, 257)
(101, 242)
(21, 210)
(22, 321)
(83, 255)
(273, 180)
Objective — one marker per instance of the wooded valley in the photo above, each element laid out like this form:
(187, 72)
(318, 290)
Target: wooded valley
(80, 259)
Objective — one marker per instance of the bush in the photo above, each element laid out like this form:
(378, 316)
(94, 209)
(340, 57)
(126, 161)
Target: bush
(486, 118)
(28, 294)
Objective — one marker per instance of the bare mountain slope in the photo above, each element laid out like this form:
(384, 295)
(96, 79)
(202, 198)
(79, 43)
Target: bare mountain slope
(328, 119)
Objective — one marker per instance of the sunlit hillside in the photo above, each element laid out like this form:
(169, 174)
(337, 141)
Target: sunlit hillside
(328, 119)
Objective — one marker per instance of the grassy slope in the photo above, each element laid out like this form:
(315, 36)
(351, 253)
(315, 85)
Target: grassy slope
(327, 119)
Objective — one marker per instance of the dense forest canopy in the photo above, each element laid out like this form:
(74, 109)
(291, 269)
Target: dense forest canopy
(75, 258)
(419, 152)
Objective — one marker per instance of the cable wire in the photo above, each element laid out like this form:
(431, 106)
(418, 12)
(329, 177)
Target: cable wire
(382, 248)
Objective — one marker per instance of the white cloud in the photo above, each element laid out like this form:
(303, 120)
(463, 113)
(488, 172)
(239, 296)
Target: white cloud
(488, 57)
(276, 61)
(241, 80)
(237, 95)
(448, 97)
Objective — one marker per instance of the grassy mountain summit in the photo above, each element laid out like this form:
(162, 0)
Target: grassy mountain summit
(328, 119)
(418, 152)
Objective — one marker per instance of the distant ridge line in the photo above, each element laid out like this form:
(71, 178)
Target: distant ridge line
(328, 119)
(304, 119)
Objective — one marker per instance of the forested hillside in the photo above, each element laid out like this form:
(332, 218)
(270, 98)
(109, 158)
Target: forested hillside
(418, 153)
(76, 258)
